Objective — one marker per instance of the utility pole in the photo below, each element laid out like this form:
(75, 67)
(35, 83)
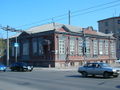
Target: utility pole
(53, 23)
(8, 28)
(69, 17)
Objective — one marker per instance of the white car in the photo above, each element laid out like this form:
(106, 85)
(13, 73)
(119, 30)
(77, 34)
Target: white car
(98, 69)
(117, 61)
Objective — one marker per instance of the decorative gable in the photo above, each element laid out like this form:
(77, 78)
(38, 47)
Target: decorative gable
(24, 34)
(63, 29)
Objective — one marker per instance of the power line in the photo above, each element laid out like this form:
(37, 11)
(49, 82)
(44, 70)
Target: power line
(96, 10)
(100, 5)
(63, 16)
(89, 12)
(48, 19)
(8, 28)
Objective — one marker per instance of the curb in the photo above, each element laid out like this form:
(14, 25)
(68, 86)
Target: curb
(55, 69)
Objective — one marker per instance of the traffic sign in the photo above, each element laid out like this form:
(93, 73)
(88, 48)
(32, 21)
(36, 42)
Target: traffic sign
(16, 45)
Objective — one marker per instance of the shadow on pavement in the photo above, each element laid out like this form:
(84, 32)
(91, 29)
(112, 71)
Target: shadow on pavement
(118, 86)
(93, 77)
(74, 76)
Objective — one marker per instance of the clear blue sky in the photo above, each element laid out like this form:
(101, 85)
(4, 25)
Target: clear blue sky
(23, 14)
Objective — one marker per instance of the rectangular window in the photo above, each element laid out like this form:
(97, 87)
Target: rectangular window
(34, 44)
(106, 23)
(40, 46)
(87, 44)
(80, 46)
(18, 50)
(101, 47)
(13, 52)
(25, 48)
(118, 21)
(61, 47)
(106, 47)
(95, 48)
(72, 47)
(107, 31)
(112, 47)
(118, 31)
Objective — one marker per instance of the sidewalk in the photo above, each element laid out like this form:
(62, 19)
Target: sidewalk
(115, 65)
(55, 69)
(68, 68)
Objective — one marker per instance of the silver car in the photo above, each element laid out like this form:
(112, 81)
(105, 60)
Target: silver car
(98, 69)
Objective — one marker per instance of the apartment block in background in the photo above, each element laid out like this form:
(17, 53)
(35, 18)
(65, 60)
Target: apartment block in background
(111, 25)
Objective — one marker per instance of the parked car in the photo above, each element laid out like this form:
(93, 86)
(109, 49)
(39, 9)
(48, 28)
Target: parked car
(98, 69)
(2, 67)
(21, 66)
(117, 61)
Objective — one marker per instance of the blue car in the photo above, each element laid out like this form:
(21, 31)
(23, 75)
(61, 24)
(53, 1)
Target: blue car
(2, 67)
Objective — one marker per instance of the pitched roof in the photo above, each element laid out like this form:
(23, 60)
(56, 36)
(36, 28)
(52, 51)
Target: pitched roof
(52, 26)
(57, 26)
(103, 34)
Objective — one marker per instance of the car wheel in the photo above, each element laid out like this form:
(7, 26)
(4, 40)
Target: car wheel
(84, 74)
(30, 70)
(12, 69)
(22, 69)
(115, 75)
(106, 75)
(93, 75)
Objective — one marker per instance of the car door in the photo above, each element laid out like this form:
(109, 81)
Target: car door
(98, 70)
(90, 68)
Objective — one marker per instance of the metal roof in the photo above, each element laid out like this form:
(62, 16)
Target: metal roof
(103, 34)
(57, 26)
(53, 26)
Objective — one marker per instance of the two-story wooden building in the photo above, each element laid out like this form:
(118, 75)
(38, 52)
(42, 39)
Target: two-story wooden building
(59, 45)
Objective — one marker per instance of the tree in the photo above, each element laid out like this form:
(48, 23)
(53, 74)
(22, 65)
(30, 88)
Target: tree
(2, 47)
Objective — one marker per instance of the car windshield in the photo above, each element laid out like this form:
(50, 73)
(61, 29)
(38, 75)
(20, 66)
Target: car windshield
(1, 64)
(22, 64)
(105, 65)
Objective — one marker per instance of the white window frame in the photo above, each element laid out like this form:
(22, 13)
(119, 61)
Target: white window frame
(72, 46)
(113, 49)
(95, 47)
(80, 46)
(101, 47)
(87, 45)
(61, 47)
(106, 47)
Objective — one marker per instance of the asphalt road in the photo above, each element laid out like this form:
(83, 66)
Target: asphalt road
(55, 80)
